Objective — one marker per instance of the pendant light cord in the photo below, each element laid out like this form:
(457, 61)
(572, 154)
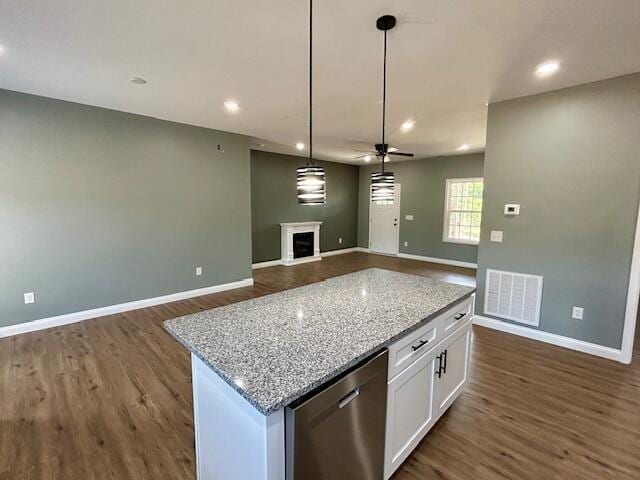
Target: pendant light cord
(311, 161)
(384, 98)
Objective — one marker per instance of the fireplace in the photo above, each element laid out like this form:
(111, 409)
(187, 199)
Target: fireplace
(302, 244)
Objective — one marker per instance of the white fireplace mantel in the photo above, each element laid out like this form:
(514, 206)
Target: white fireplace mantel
(286, 241)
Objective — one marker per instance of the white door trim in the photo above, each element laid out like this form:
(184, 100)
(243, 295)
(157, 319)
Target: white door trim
(398, 188)
(633, 297)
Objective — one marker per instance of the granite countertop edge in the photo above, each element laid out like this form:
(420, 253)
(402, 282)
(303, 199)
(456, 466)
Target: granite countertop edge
(338, 371)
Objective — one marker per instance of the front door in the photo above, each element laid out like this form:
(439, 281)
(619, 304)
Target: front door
(384, 224)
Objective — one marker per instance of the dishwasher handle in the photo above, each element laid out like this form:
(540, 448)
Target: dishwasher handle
(347, 399)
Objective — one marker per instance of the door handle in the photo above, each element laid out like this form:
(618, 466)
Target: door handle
(345, 401)
(420, 345)
(439, 372)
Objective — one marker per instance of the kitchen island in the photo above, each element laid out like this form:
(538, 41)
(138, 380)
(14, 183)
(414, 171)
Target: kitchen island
(252, 359)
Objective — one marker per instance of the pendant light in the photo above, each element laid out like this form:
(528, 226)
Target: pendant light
(382, 183)
(310, 178)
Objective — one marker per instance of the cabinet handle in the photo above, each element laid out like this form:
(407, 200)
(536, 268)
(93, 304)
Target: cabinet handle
(420, 345)
(444, 368)
(458, 317)
(439, 372)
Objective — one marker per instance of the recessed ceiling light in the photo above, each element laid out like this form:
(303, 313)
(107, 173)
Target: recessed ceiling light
(407, 125)
(232, 106)
(2, 49)
(547, 69)
(137, 80)
(300, 146)
(367, 158)
(463, 147)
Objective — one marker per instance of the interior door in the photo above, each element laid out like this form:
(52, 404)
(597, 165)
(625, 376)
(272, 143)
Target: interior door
(452, 367)
(410, 410)
(384, 225)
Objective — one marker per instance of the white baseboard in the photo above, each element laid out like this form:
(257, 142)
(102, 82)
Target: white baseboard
(330, 253)
(74, 317)
(443, 261)
(552, 338)
(270, 263)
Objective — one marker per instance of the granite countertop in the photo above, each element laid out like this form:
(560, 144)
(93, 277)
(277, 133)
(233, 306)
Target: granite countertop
(274, 349)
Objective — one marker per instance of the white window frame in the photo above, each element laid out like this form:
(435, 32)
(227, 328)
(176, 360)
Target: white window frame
(445, 223)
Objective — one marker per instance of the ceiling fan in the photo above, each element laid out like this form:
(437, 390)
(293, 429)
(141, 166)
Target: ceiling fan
(382, 150)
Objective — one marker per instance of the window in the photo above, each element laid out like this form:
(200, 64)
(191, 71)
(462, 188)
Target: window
(463, 210)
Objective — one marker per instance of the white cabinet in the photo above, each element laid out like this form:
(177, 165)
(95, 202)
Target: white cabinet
(423, 389)
(410, 410)
(452, 375)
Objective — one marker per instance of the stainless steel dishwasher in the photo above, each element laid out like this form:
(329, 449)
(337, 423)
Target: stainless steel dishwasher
(338, 433)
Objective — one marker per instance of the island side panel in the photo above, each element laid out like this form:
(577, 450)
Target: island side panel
(234, 441)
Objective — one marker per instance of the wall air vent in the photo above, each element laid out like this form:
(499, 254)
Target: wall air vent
(513, 296)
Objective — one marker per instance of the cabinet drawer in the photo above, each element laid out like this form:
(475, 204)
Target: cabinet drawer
(457, 317)
(406, 350)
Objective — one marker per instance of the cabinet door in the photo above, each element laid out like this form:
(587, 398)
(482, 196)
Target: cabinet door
(453, 367)
(410, 410)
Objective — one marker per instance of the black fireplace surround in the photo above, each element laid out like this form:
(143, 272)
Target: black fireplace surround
(302, 245)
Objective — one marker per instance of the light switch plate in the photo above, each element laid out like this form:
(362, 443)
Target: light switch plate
(408, 217)
(198, 271)
(512, 209)
(496, 236)
(29, 297)
(339, 239)
(577, 313)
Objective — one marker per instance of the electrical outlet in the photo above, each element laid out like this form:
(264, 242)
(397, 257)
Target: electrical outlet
(198, 271)
(29, 297)
(577, 313)
(496, 236)
(406, 244)
(408, 217)
(339, 239)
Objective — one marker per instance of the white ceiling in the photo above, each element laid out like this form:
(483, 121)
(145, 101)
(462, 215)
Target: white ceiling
(446, 59)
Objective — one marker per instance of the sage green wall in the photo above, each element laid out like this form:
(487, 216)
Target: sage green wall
(571, 159)
(99, 207)
(273, 200)
(423, 184)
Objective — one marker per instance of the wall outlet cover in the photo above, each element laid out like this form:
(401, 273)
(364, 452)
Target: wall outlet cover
(577, 313)
(29, 297)
(496, 236)
(198, 271)
(408, 217)
(406, 244)
(339, 239)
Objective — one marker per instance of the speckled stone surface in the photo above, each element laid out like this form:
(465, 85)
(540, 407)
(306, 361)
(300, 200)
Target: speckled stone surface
(275, 349)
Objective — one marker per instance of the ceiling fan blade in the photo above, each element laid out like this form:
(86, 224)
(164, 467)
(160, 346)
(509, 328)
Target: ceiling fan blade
(401, 154)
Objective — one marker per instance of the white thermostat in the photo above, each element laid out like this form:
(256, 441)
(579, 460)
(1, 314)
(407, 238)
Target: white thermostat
(512, 209)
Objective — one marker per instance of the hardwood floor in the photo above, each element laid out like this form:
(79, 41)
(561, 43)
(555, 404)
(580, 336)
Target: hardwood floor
(111, 399)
